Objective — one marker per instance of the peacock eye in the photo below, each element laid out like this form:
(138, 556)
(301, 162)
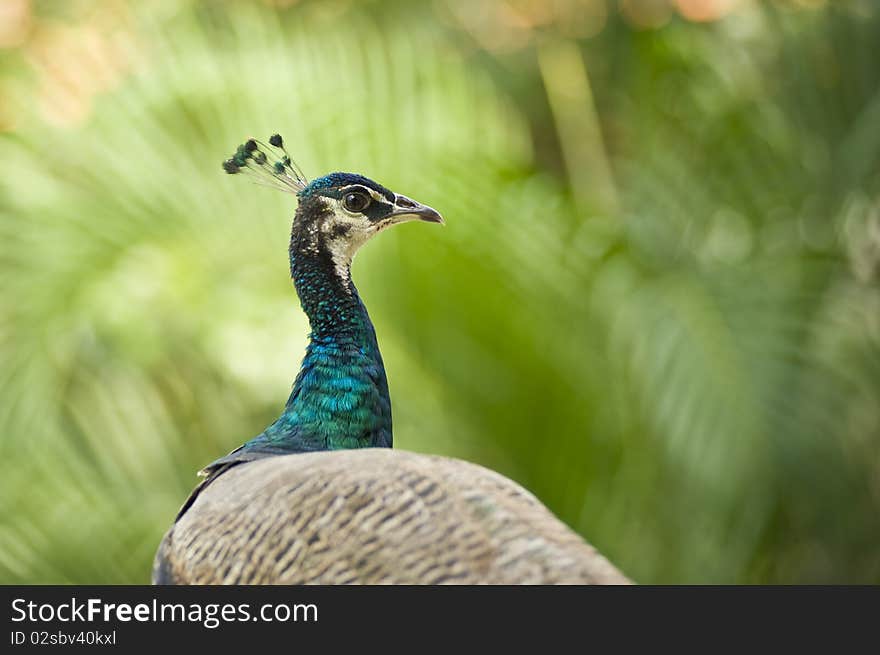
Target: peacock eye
(356, 201)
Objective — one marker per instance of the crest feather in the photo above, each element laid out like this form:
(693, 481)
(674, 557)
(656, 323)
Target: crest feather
(269, 165)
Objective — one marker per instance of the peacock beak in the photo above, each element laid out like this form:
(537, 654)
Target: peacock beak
(408, 209)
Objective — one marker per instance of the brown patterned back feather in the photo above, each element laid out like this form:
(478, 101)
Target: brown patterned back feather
(372, 516)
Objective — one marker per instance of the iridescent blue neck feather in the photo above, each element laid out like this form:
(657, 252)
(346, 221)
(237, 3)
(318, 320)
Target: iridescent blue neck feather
(340, 397)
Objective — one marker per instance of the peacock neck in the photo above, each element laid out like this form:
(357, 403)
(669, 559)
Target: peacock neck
(329, 299)
(323, 282)
(340, 397)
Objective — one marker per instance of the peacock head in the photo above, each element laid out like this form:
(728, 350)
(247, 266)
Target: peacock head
(337, 213)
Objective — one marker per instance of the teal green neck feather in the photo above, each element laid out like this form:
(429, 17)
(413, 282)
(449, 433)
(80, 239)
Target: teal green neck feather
(340, 397)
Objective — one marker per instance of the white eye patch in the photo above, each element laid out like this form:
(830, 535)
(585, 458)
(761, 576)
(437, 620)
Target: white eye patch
(344, 234)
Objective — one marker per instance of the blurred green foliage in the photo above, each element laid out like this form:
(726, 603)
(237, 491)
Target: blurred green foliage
(655, 303)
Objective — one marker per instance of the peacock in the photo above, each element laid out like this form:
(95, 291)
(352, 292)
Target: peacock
(320, 496)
